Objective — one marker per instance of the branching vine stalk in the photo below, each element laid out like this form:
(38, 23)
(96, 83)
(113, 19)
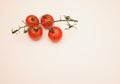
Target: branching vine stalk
(67, 19)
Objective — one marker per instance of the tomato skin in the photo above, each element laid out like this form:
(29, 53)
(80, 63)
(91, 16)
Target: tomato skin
(47, 21)
(35, 32)
(55, 34)
(32, 20)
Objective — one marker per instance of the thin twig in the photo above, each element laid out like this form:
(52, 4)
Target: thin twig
(18, 29)
(66, 20)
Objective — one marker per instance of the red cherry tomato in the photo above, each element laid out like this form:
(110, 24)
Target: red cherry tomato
(35, 32)
(47, 21)
(55, 34)
(32, 20)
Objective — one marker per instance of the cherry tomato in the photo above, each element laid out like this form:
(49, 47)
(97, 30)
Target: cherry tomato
(55, 34)
(32, 20)
(47, 21)
(35, 32)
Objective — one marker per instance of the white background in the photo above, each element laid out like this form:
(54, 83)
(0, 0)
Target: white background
(88, 55)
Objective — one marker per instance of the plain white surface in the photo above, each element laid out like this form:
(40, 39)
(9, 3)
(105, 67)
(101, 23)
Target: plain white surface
(89, 55)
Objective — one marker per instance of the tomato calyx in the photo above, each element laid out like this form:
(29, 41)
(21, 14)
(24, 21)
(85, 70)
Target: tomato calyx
(45, 17)
(33, 19)
(36, 30)
(51, 30)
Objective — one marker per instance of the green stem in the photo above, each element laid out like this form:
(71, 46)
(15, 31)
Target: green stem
(18, 29)
(66, 20)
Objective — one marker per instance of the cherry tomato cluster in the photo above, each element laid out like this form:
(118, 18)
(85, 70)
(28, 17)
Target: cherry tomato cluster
(35, 30)
(35, 27)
